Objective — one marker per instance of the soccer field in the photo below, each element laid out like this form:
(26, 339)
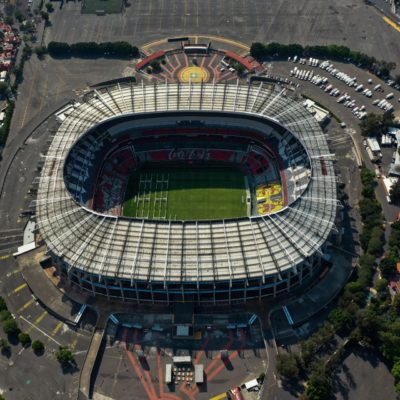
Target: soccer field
(187, 193)
(108, 6)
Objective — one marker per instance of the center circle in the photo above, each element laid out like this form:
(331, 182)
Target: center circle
(194, 74)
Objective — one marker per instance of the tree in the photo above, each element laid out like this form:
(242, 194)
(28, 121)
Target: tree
(37, 346)
(19, 16)
(9, 20)
(24, 338)
(240, 68)
(371, 125)
(64, 355)
(4, 345)
(257, 50)
(381, 286)
(49, 7)
(10, 326)
(287, 366)
(395, 193)
(4, 315)
(390, 345)
(3, 305)
(387, 266)
(59, 49)
(318, 387)
(341, 320)
(396, 371)
(40, 51)
(397, 387)
(26, 52)
(45, 15)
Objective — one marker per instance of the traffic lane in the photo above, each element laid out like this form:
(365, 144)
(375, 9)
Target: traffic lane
(24, 169)
(389, 210)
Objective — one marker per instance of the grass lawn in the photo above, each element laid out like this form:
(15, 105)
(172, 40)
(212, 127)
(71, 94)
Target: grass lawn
(108, 6)
(187, 193)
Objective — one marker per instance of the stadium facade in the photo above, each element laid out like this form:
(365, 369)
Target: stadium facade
(164, 260)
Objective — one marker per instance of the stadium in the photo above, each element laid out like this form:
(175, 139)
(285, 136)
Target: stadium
(207, 193)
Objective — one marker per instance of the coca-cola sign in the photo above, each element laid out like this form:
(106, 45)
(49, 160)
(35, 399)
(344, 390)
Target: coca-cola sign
(188, 154)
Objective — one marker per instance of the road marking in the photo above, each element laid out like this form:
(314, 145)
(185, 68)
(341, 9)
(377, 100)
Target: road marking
(56, 329)
(392, 23)
(40, 317)
(38, 329)
(75, 341)
(219, 397)
(26, 305)
(18, 289)
(28, 103)
(5, 257)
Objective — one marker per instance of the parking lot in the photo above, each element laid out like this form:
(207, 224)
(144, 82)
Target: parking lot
(317, 92)
(133, 361)
(41, 325)
(314, 22)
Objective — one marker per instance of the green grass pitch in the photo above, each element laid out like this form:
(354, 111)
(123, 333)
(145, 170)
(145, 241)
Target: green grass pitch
(187, 193)
(108, 6)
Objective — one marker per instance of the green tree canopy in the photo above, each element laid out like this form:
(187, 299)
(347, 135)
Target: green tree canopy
(5, 314)
(3, 305)
(318, 387)
(396, 371)
(341, 319)
(387, 266)
(37, 346)
(395, 193)
(10, 326)
(287, 366)
(24, 338)
(64, 355)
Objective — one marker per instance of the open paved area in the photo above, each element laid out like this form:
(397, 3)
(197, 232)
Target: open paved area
(347, 22)
(21, 371)
(133, 361)
(364, 376)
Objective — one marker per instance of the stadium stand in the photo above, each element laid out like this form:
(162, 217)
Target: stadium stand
(176, 261)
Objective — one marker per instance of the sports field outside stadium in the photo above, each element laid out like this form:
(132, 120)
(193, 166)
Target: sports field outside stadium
(186, 193)
(108, 6)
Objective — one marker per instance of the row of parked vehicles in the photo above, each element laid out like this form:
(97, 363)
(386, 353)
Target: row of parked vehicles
(383, 104)
(313, 62)
(357, 111)
(345, 99)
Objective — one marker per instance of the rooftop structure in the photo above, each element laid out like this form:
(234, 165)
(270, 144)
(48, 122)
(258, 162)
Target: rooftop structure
(205, 261)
